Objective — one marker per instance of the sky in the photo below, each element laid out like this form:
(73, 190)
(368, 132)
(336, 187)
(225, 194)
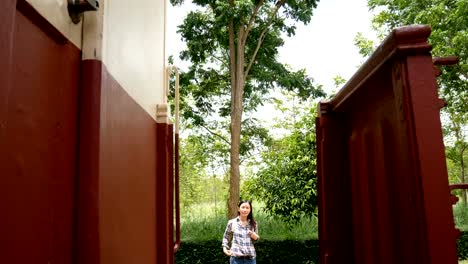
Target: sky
(324, 47)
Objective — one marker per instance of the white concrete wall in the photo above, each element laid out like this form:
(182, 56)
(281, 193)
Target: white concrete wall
(55, 11)
(127, 36)
(133, 48)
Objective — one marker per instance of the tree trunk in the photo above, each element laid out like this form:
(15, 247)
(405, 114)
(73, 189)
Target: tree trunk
(234, 180)
(237, 91)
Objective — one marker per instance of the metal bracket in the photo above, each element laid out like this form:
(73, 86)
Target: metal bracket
(76, 8)
(443, 61)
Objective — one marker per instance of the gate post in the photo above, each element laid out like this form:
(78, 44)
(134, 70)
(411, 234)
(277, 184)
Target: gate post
(164, 187)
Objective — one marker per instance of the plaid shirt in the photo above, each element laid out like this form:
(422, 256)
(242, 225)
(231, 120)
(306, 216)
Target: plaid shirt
(238, 235)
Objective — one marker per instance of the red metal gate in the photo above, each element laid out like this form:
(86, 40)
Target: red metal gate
(383, 185)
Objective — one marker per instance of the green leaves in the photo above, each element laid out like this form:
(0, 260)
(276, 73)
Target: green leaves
(287, 180)
(365, 46)
(300, 10)
(198, 27)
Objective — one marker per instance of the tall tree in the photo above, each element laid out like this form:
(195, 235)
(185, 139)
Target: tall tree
(233, 48)
(449, 22)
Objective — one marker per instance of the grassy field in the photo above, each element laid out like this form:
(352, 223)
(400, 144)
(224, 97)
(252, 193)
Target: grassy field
(206, 222)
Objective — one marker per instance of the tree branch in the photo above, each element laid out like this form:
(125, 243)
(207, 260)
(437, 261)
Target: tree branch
(215, 134)
(222, 61)
(278, 5)
(251, 20)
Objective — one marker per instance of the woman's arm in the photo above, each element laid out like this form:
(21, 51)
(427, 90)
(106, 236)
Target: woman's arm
(227, 239)
(254, 234)
(227, 251)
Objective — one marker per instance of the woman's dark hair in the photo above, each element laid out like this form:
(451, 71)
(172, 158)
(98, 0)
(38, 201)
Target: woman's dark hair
(250, 216)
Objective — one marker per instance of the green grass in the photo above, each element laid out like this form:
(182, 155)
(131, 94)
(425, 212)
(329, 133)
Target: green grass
(460, 214)
(206, 222)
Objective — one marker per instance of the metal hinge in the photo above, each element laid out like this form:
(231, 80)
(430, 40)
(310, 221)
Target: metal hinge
(76, 8)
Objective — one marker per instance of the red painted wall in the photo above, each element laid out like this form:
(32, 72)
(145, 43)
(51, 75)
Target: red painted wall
(86, 172)
(125, 173)
(39, 79)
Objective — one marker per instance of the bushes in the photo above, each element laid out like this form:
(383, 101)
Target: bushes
(204, 252)
(462, 246)
(287, 251)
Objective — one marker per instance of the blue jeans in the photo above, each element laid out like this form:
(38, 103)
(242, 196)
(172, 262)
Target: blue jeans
(233, 260)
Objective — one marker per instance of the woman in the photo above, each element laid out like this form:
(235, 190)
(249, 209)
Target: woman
(241, 232)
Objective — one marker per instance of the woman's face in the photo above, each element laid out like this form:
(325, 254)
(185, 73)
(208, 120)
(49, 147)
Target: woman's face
(244, 209)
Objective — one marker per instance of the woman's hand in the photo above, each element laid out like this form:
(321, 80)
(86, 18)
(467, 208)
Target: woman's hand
(253, 235)
(227, 251)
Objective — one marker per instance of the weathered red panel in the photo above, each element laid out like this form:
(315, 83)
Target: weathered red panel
(127, 178)
(38, 123)
(333, 193)
(381, 161)
(118, 193)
